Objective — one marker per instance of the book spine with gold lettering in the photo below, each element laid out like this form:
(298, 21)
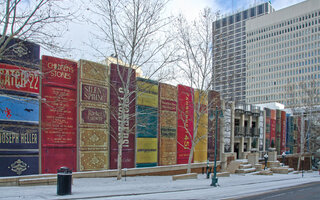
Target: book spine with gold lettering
(201, 122)
(185, 123)
(167, 124)
(93, 148)
(122, 108)
(59, 114)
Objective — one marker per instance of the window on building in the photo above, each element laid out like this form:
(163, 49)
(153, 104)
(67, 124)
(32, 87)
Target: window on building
(252, 12)
(217, 24)
(231, 19)
(238, 17)
(260, 9)
(224, 22)
(245, 14)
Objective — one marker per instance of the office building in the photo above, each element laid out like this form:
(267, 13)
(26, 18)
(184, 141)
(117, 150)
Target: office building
(229, 52)
(283, 56)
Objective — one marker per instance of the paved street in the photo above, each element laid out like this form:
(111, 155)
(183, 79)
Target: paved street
(308, 191)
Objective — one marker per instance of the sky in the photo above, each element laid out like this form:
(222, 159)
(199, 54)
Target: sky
(192, 7)
(79, 33)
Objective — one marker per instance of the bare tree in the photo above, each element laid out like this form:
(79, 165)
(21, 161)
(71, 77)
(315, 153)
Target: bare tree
(42, 22)
(303, 101)
(134, 33)
(25, 25)
(195, 43)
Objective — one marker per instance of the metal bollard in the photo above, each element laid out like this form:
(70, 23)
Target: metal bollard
(64, 181)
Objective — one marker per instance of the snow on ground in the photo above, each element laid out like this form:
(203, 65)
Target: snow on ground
(161, 187)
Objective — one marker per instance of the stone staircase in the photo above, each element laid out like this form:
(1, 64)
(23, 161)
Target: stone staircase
(277, 167)
(245, 167)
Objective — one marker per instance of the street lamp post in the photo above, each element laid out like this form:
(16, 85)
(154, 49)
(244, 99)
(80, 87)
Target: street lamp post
(214, 178)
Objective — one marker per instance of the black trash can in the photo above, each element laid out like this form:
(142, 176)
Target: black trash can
(64, 181)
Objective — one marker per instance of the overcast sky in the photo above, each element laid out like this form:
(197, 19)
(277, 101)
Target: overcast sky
(192, 7)
(78, 33)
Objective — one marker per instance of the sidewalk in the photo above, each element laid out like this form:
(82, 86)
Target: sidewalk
(161, 187)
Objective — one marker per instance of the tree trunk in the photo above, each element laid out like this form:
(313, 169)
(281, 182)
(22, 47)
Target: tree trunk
(119, 164)
(190, 158)
(121, 125)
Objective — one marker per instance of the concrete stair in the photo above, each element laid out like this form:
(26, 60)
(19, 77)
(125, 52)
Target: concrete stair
(282, 170)
(38, 181)
(278, 168)
(245, 171)
(272, 164)
(223, 174)
(258, 167)
(233, 166)
(245, 168)
(264, 172)
(289, 169)
(41, 179)
(185, 176)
